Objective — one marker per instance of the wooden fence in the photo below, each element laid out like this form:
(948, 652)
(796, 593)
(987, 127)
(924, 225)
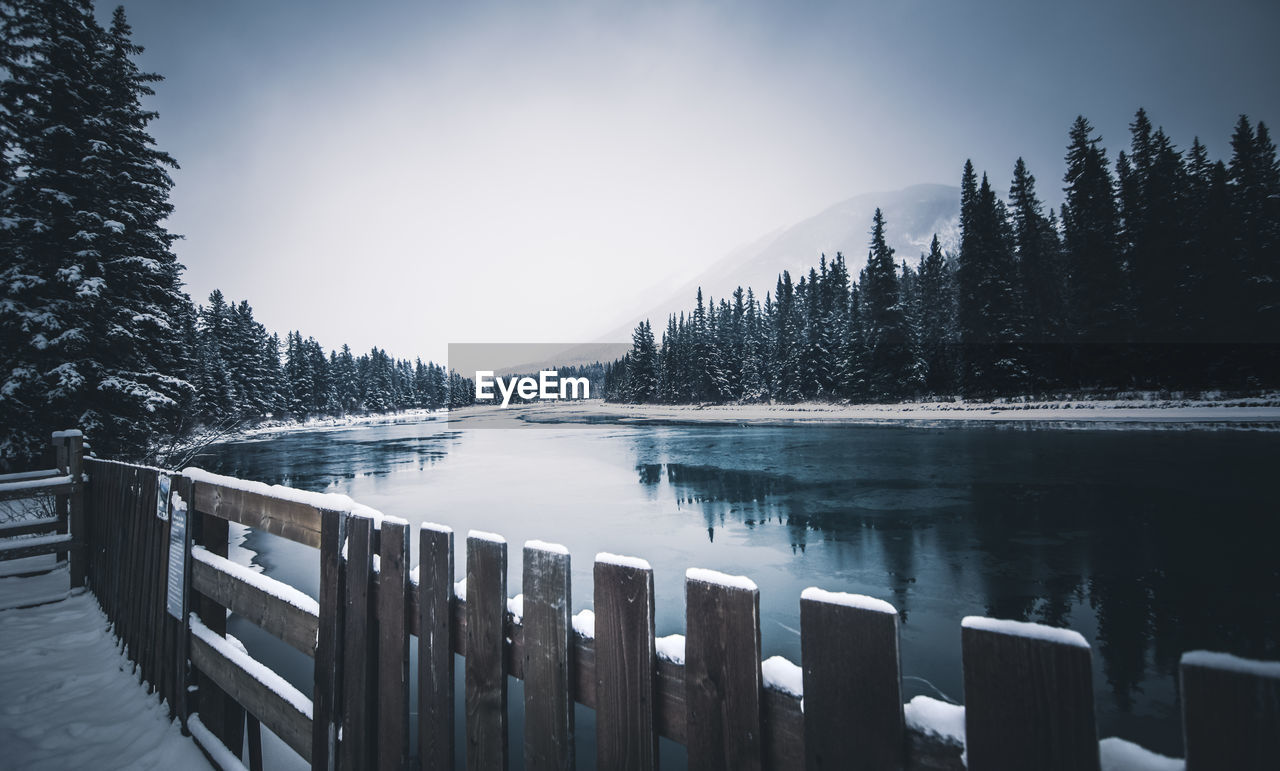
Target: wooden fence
(1028, 688)
(61, 534)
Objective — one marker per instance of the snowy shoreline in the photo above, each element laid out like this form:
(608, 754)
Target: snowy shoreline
(1250, 413)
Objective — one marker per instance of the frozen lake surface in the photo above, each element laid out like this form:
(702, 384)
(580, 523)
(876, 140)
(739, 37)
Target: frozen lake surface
(1148, 543)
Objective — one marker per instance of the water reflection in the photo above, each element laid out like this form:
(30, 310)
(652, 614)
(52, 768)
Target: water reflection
(1149, 544)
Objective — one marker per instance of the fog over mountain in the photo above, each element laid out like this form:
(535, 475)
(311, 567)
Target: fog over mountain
(913, 214)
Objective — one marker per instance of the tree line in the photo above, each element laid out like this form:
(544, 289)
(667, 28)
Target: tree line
(240, 372)
(1160, 272)
(95, 329)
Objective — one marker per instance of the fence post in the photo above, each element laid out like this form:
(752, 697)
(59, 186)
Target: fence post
(62, 501)
(79, 536)
(435, 648)
(328, 665)
(722, 682)
(486, 662)
(625, 664)
(1230, 711)
(218, 711)
(852, 681)
(183, 488)
(393, 646)
(1028, 693)
(548, 699)
(358, 655)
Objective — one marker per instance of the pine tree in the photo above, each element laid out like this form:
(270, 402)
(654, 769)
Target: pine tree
(642, 368)
(1090, 227)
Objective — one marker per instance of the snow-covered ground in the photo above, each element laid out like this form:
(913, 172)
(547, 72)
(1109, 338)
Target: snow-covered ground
(1146, 411)
(69, 699)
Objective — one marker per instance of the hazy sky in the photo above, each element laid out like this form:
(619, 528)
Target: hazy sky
(409, 174)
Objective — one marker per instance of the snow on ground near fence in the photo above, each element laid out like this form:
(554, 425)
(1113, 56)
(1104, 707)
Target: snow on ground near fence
(69, 700)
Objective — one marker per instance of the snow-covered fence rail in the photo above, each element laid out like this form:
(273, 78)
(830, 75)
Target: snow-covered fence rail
(63, 533)
(1029, 702)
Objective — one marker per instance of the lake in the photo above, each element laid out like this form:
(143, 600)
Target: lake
(1148, 542)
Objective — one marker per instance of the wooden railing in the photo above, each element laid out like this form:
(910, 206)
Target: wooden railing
(61, 534)
(1028, 688)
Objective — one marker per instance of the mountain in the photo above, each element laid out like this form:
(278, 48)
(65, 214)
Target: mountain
(912, 216)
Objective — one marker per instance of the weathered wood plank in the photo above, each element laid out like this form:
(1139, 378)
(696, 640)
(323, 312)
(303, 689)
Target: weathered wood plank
(1028, 693)
(722, 673)
(359, 648)
(277, 713)
(625, 666)
(328, 666)
(1230, 712)
(486, 661)
(55, 544)
(434, 625)
(393, 647)
(546, 663)
(284, 620)
(288, 519)
(61, 488)
(852, 682)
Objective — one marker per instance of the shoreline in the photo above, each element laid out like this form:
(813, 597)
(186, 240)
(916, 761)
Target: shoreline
(1252, 413)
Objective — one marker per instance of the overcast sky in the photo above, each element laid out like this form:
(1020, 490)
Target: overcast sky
(410, 174)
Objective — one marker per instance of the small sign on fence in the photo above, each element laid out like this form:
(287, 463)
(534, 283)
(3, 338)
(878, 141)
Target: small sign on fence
(163, 486)
(177, 549)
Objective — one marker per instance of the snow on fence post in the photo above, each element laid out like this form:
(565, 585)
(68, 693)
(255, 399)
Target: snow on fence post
(625, 664)
(1230, 711)
(359, 652)
(548, 646)
(852, 682)
(722, 682)
(435, 648)
(1028, 693)
(220, 713)
(486, 659)
(328, 664)
(393, 646)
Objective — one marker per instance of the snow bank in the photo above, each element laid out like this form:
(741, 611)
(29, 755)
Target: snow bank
(1025, 629)
(329, 501)
(723, 579)
(1225, 661)
(515, 606)
(1120, 755)
(460, 588)
(554, 548)
(256, 669)
(670, 648)
(780, 674)
(937, 718)
(270, 586)
(626, 562)
(860, 601)
(584, 623)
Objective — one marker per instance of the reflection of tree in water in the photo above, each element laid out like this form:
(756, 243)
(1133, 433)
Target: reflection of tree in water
(1165, 540)
(316, 461)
